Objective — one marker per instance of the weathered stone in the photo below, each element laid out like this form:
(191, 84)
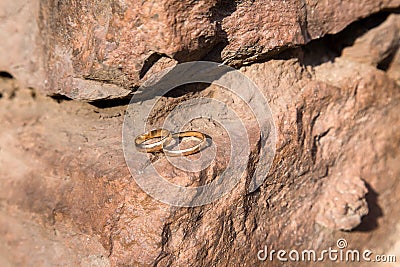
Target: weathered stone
(21, 49)
(393, 70)
(68, 198)
(58, 46)
(376, 45)
(343, 203)
(72, 176)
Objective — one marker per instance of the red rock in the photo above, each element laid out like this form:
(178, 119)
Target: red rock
(91, 50)
(68, 198)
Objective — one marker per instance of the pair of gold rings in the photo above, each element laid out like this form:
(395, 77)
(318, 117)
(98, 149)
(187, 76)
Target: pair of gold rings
(164, 139)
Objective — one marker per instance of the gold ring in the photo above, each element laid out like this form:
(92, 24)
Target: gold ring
(164, 135)
(187, 151)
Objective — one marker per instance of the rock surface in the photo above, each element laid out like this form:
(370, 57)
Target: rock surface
(99, 50)
(67, 197)
(344, 212)
(378, 45)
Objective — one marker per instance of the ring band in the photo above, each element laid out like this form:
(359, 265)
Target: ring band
(163, 134)
(187, 151)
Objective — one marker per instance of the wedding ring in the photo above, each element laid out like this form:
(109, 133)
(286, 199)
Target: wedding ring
(164, 135)
(188, 151)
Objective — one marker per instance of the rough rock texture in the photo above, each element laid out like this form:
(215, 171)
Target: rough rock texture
(91, 50)
(378, 45)
(67, 197)
(344, 212)
(394, 65)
